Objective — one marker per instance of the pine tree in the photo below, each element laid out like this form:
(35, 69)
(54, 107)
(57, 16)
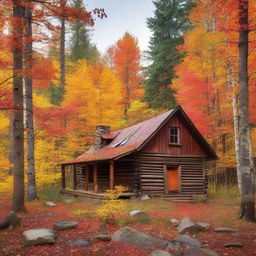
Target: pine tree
(81, 46)
(169, 23)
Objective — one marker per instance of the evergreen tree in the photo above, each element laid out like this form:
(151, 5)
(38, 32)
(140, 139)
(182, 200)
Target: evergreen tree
(81, 46)
(169, 23)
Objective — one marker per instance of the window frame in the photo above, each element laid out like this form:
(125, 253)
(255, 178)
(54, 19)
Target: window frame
(178, 143)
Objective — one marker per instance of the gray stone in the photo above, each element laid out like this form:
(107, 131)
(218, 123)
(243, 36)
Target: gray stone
(78, 242)
(136, 238)
(103, 237)
(174, 221)
(50, 204)
(145, 197)
(188, 225)
(159, 253)
(225, 230)
(203, 225)
(138, 213)
(234, 244)
(196, 251)
(186, 239)
(64, 225)
(39, 236)
(174, 245)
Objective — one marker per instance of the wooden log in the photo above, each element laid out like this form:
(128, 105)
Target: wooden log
(63, 183)
(74, 177)
(87, 175)
(95, 177)
(111, 175)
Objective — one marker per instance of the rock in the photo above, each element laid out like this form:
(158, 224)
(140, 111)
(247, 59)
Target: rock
(174, 221)
(186, 239)
(64, 225)
(225, 230)
(159, 253)
(196, 251)
(203, 225)
(187, 225)
(12, 220)
(78, 242)
(103, 229)
(145, 197)
(174, 245)
(138, 213)
(39, 236)
(50, 204)
(233, 244)
(136, 238)
(103, 237)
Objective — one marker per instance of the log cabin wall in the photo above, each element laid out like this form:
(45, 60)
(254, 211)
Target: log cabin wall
(152, 173)
(188, 144)
(127, 173)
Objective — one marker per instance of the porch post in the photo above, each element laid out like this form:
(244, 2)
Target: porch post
(95, 177)
(87, 177)
(74, 177)
(111, 174)
(63, 177)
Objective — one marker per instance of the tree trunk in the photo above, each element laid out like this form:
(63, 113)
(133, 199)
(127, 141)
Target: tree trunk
(18, 125)
(247, 196)
(62, 54)
(31, 187)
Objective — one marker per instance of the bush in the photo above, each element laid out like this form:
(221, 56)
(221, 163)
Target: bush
(112, 208)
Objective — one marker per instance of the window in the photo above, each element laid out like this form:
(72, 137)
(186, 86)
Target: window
(174, 135)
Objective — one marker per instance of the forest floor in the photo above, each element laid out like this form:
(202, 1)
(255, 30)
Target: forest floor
(221, 210)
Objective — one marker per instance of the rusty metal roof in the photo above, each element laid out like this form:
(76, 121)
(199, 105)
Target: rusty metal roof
(125, 140)
(133, 138)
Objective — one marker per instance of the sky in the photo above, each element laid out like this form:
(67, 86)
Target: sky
(123, 16)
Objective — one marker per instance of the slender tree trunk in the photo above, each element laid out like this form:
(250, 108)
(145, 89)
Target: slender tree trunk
(18, 125)
(247, 203)
(62, 54)
(31, 187)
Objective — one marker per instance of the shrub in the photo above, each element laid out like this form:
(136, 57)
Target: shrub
(112, 208)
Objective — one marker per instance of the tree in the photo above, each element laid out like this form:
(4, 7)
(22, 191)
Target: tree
(246, 167)
(18, 124)
(169, 23)
(81, 46)
(31, 187)
(127, 67)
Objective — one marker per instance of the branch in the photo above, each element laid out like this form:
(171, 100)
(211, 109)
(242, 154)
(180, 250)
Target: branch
(7, 79)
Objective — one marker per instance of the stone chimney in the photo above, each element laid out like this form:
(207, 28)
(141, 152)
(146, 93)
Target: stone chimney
(100, 129)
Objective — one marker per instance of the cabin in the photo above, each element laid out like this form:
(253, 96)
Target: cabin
(164, 156)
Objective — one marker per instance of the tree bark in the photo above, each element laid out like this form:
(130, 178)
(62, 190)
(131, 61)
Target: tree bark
(62, 54)
(18, 125)
(247, 196)
(31, 187)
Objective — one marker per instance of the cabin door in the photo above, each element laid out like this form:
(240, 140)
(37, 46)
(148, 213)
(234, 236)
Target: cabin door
(173, 180)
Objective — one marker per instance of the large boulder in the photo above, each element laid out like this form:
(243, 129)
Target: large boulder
(39, 236)
(188, 240)
(188, 226)
(136, 238)
(160, 253)
(196, 251)
(64, 225)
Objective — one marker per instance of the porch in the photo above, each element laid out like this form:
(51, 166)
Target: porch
(92, 179)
